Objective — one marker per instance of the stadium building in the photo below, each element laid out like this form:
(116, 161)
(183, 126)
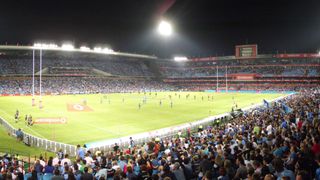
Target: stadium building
(122, 107)
(97, 72)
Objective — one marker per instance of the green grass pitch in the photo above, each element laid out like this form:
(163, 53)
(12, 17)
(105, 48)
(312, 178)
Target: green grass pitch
(117, 115)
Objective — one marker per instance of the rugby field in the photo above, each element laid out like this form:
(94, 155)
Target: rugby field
(79, 119)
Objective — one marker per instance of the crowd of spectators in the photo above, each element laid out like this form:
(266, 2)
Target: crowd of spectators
(81, 85)
(241, 62)
(261, 74)
(265, 67)
(278, 141)
(119, 66)
(265, 71)
(245, 86)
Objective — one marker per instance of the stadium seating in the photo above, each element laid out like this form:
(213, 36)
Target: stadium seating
(288, 74)
(22, 64)
(285, 73)
(277, 140)
(78, 85)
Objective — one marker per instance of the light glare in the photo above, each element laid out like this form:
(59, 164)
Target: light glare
(84, 48)
(67, 47)
(108, 51)
(97, 49)
(45, 46)
(165, 28)
(180, 58)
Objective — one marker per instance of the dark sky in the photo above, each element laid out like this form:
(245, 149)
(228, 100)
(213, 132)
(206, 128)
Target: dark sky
(202, 27)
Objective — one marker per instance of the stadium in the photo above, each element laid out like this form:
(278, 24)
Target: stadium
(70, 111)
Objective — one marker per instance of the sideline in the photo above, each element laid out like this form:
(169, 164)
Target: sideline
(168, 130)
(154, 133)
(33, 131)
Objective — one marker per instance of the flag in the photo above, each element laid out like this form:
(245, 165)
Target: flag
(266, 103)
(286, 108)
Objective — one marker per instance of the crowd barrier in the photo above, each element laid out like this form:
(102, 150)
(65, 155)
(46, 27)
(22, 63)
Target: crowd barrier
(31, 140)
(124, 142)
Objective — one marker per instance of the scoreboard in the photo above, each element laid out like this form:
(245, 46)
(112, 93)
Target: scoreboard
(246, 51)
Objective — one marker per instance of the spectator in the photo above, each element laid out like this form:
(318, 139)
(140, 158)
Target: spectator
(86, 175)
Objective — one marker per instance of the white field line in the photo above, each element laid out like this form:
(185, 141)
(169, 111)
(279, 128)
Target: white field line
(154, 132)
(159, 132)
(33, 131)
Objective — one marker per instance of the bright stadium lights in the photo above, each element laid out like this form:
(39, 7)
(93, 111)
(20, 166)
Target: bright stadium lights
(97, 49)
(84, 48)
(165, 28)
(67, 47)
(108, 51)
(180, 58)
(52, 46)
(37, 45)
(45, 46)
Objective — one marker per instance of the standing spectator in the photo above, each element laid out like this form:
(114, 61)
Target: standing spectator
(57, 175)
(80, 152)
(86, 175)
(280, 170)
(49, 167)
(66, 160)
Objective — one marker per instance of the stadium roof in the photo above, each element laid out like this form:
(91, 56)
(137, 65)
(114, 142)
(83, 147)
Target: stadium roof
(114, 53)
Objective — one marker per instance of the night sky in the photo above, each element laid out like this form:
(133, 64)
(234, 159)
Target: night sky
(202, 28)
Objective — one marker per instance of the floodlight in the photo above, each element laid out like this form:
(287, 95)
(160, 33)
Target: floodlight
(97, 49)
(108, 51)
(67, 47)
(84, 48)
(180, 58)
(52, 46)
(165, 28)
(45, 46)
(37, 45)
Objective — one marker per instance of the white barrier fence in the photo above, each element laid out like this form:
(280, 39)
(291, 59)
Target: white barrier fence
(42, 143)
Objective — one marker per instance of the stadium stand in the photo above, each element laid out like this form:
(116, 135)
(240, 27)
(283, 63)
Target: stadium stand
(263, 72)
(20, 62)
(81, 85)
(280, 141)
(271, 142)
(259, 73)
